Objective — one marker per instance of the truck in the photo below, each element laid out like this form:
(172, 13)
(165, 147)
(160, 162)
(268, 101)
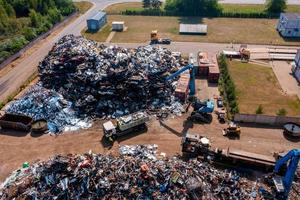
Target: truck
(156, 40)
(194, 145)
(124, 125)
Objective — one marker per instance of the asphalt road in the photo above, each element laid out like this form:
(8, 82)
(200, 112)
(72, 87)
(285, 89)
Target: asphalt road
(11, 81)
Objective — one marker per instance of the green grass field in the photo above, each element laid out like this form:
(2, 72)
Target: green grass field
(83, 6)
(220, 30)
(240, 8)
(257, 85)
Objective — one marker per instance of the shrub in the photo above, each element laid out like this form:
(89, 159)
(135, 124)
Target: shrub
(259, 110)
(281, 112)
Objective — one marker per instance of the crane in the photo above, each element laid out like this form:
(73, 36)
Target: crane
(293, 157)
(192, 77)
(201, 108)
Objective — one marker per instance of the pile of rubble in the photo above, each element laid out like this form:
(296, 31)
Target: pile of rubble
(95, 176)
(110, 81)
(40, 103)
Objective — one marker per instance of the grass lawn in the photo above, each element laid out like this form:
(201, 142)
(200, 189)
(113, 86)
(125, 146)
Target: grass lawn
(220, 30)
(253, 8)
(119, 7)
(83, 6)
(257, 85)
(240, 8)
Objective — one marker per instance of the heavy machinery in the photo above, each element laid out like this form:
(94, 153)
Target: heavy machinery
(284, 184)
(156, 40)
(202, 109)
(194, 144)
(233, 130)
(245, 53)
(124, 125)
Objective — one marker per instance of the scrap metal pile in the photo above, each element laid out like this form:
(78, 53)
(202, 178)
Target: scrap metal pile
(109, 81)
(40, 103)
(95, 176)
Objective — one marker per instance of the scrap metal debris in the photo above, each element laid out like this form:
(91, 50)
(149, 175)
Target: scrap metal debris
(95, 176)
(110, 81)
(40, 103)
(142, 151)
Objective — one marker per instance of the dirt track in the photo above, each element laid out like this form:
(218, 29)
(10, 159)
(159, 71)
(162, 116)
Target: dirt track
(17, 148)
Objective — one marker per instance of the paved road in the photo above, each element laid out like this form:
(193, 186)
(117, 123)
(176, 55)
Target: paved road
(255, 1)
(21, 72)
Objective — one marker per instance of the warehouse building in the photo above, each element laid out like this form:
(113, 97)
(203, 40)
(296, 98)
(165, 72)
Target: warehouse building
(289, 24)
(97, 21)
(193, 29)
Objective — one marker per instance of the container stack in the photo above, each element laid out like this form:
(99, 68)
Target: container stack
(182, 88)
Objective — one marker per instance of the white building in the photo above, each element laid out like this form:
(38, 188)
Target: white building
(296, 68)
(289, 24)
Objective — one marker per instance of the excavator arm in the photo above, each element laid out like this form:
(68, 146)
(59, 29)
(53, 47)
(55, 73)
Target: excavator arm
(293, 157)
(192, 77)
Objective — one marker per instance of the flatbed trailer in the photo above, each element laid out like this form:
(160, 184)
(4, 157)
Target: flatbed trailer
(15, 122)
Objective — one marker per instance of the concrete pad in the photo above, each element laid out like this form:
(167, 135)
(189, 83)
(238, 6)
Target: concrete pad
(283, 72)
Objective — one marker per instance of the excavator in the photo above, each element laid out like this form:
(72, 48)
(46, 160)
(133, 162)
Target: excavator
(283, 184)
(202, 109)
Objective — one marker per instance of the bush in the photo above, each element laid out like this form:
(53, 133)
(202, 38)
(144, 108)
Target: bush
(227, 86)
(29, 33)
(281, 112)
(259, 110)
(1, 104)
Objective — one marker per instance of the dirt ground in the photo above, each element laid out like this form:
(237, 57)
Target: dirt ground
(283, 72)
(17, 147)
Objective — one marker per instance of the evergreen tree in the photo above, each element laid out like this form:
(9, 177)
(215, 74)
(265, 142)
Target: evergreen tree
(146, 3)
(275, 6)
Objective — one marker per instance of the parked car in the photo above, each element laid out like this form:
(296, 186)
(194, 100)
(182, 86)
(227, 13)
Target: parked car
(220, 102)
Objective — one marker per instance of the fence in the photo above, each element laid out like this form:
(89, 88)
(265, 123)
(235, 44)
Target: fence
(265, 119)
(36, 40)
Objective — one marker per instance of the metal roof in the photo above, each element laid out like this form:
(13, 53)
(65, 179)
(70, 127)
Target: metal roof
(193, 28)
(98, 16)
(292, 16)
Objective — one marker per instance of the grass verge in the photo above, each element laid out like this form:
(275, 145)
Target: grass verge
(220, 30)
(257, 85)
(83, 6)
(253, 8)
(15, 93)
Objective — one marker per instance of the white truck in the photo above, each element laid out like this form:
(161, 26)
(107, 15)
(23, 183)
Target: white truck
(123, 125)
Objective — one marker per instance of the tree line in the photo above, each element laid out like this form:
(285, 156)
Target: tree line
(23, 20)
(202, 8)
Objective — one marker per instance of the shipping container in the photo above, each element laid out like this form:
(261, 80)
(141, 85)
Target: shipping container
(117, 26)
(214, 74)
(16, 122)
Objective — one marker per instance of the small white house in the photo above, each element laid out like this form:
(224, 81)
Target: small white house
(289, 24)
(117, 26)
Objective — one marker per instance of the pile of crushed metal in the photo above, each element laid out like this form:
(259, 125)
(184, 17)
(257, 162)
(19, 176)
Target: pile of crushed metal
(135, 174)
(81, 79)
(109, 81)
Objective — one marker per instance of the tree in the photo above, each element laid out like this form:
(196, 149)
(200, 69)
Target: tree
(281, 112)
(54, 15)
(156, 4)
(259, 110)
(146, 3)
(34, 18)
(29, 33)
(194, 7)
(275, 6)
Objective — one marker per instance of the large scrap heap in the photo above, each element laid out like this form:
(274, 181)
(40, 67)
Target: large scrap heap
(105, 81)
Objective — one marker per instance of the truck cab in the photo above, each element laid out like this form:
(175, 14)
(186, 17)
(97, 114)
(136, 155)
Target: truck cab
(109, 129)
